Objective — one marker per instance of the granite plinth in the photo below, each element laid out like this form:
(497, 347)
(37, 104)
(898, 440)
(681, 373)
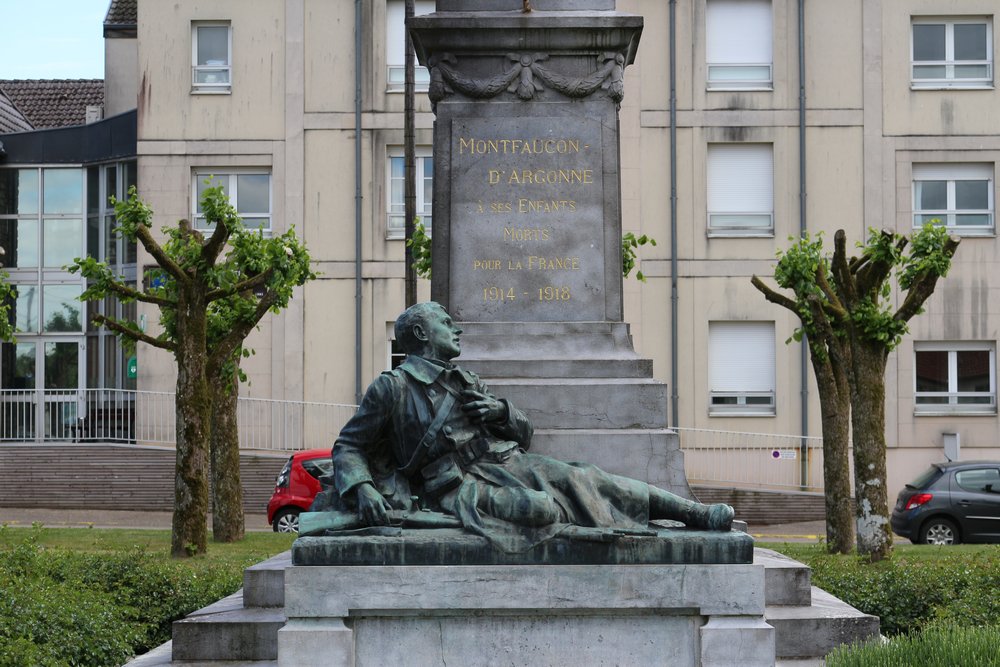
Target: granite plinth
(501, 614)
(576, 546)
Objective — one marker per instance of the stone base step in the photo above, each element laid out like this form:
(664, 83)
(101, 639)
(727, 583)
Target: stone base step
(605, 403)
(808, 621)
(227, 630)
(649, 455)
(532, 366)
(813, 631)
(264, 583)
(787, 582)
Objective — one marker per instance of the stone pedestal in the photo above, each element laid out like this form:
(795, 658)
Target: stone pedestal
(527, 223)
(526, 615)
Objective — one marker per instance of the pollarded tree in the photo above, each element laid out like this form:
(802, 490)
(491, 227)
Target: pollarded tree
(806, 272)
(854, 296)
(194, 285)
(231, 320)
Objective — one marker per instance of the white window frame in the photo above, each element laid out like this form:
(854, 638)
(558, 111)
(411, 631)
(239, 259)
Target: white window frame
(740, 190)
(395, 53)
(232, 188)
(949, 63)
(951, 216)
(733, 371)
(955, 404)
(739, 50)
(395, 227)
(224, 84)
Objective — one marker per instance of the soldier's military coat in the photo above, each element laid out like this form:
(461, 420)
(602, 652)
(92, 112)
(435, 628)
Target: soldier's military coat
(481, 473)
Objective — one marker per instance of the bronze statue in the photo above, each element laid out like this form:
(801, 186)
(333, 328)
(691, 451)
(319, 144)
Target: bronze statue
(431, 434)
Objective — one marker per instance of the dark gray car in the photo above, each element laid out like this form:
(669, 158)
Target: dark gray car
(950, 503)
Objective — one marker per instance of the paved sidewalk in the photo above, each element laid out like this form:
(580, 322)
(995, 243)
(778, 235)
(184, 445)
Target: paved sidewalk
(87, 518)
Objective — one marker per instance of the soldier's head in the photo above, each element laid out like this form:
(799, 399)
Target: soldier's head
(426, 329)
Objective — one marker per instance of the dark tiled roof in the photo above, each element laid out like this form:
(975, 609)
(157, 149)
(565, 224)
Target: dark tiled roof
(11, 120)
(122, 12)
(54, 102)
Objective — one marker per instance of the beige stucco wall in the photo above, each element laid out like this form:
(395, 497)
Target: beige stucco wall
(865, 127)
(121, 75)
(168, 110)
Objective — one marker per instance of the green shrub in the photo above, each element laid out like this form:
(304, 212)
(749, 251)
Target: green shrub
(61, 607)
(938, 646)
(45, 623)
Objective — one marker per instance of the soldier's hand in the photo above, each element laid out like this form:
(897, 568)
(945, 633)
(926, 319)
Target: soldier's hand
(372, 506)
(482, 408)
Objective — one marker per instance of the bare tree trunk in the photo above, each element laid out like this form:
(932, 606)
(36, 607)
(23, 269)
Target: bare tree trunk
(228, 522)
(868, 422)
(189, 531)
(835, 404)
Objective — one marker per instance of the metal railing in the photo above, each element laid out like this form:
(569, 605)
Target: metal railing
(148, 417)
(752, 460)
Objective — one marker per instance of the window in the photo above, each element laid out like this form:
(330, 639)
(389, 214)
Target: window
(394, 354)
(740, 189)
(738, 44)
(957, 195)
(395, 44)
(741, 368)
(211, 57)
(249, 191)
(955, 378)
(396, 186)
(952, 53)
(979, 480)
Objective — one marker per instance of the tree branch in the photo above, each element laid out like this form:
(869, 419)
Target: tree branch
(129, 293)
(137, 336)
(774, 297)
(843, 276)
(240, 287)
(210, 251)
(160, 255)
(240, 330)
(922, 287)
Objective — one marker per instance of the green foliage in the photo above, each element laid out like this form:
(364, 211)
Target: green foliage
(7, 294)
(61, 607)
(912, 593)
(420, 246)
(926, 256)
(797, 270)
(630, 246)
(944, 646)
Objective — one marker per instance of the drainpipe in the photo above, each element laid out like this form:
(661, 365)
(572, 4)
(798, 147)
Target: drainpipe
(804, 348)
(357, 199)
(674, 401)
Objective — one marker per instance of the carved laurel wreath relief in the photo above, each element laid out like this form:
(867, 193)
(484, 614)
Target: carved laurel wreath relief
(526, 77)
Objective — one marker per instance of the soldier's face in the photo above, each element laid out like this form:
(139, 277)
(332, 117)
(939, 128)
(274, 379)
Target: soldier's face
(442, 336)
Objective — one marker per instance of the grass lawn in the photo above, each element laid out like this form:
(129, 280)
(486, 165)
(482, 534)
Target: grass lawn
(257, 546)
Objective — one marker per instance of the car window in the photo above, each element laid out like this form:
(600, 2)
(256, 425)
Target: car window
(926, 478)
(981, 480)
(318, 467)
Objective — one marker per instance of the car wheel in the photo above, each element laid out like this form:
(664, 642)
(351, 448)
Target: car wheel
(287, 520)
(939, 531)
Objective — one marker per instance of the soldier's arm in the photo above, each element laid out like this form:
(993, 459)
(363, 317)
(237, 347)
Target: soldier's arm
(512, 424)
(363, 431)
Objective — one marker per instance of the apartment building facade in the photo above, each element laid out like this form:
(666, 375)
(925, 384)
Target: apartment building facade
(744, 123)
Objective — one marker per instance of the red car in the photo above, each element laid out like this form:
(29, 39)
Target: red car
(296, 486)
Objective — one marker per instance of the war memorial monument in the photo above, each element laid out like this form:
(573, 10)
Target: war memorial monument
(452, 531)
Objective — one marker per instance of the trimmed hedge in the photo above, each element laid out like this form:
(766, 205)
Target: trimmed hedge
(910, 594)
(73, 608)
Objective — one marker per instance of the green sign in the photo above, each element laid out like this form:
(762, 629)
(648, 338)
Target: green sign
(131, 368)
